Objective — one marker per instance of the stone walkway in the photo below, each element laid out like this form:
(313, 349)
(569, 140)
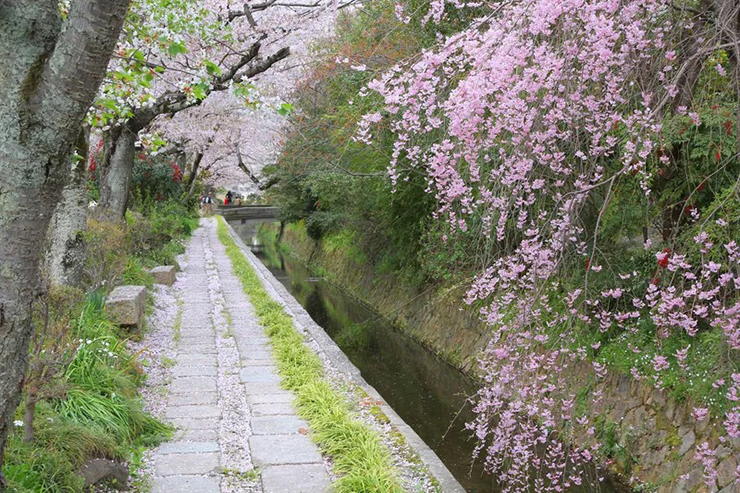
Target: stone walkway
(225, 397)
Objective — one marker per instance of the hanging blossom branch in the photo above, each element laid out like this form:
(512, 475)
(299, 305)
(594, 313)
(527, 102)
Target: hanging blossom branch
(521, 120)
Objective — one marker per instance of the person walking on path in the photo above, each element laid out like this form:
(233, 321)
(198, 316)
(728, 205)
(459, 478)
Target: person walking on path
(208, 205)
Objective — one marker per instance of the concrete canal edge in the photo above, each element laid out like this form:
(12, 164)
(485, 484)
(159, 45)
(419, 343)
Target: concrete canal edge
(339, 360)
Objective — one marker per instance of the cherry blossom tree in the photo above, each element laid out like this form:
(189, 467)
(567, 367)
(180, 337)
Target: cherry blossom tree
(528, 124)
(164, 66)
(174, 55)
(253, 121)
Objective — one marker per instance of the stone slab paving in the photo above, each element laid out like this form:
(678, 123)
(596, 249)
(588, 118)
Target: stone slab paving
(281, 449)
(192, 460)
(300, 478)
(221, 346)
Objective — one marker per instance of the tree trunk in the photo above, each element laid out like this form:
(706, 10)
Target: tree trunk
(28, 415)
(116, 178)
(65, 254)
(49, 78)
(192, 178)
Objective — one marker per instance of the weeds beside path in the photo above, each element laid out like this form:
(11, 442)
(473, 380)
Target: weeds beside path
(359, 457)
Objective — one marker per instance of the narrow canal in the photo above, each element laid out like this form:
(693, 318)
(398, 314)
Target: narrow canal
(430, 395)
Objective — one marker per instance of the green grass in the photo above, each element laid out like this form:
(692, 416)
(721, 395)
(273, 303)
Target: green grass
(359, 456)
(97, 412)
(102, 382)
(135, 274)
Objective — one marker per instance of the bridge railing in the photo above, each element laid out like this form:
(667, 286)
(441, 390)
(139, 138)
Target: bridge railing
(248, 212)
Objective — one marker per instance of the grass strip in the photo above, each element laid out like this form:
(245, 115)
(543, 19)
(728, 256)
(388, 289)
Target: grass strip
(358, 453)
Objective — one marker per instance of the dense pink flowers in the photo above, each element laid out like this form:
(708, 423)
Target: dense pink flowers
(523, 109)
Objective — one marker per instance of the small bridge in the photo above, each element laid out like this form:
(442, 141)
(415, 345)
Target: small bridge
(246, 212)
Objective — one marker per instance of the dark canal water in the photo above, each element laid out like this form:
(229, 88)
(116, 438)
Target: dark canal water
(429, 394)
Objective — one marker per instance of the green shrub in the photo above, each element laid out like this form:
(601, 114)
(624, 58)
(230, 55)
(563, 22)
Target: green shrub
(156, 234)
(136, 274)
(32, 468)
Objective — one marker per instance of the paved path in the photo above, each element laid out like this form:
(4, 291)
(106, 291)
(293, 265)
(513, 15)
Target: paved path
(225, 396)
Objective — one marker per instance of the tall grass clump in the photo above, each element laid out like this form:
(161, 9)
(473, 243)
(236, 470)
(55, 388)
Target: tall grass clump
(94, 412)
(103, 379)
(360, 458)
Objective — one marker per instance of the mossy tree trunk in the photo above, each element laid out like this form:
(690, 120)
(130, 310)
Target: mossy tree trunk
(65, 254)
(116, 171)
(49, 78)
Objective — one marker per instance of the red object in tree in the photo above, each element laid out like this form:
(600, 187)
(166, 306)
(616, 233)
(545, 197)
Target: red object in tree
(655, 281)
(728, 127)
(93, 166)
(663, 262)
(717, 155)
(700, 187)
(588, 263)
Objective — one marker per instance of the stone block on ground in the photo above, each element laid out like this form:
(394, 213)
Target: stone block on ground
(273, 409)
(164, 274)
(283, 449)
(185, 385)
(188, 447)
(259, 374)
(195, 423)
(187, 484)
(179, 464)
(126, 306)
(193, 411)
(96, 470)
(303, 478)
(194, 371)
(278, 425)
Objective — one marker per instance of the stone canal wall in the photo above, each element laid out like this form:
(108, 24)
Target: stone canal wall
(431, 317)
(654, 438)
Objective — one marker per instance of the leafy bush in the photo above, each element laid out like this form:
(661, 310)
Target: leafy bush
(156, 178)
(119, 252)
(156, 234)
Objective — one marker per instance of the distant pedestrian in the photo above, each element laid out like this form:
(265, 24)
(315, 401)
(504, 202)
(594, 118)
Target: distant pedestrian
(229, 198)
(208, 205)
